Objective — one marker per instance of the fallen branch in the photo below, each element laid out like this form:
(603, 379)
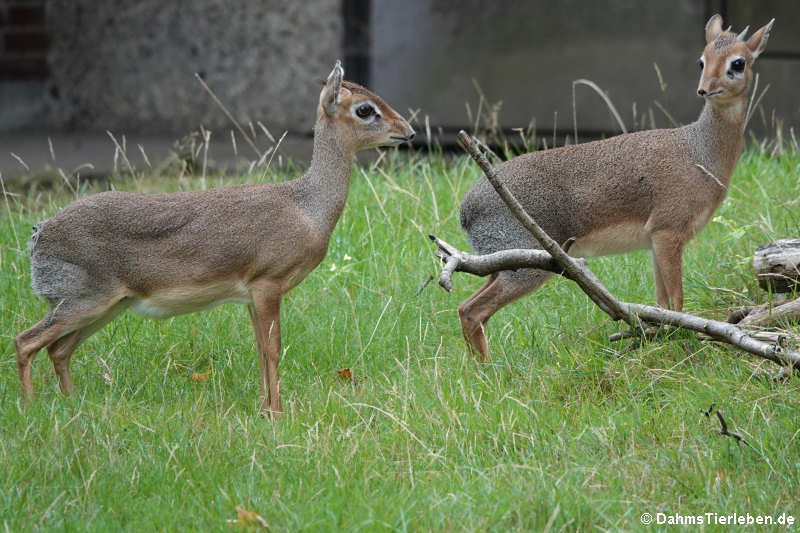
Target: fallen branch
(767, 316)
(483, 265)
(777, 265)
(555, 259)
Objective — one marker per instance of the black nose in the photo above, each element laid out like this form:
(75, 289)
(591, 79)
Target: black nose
(701, 92)
(413, 134)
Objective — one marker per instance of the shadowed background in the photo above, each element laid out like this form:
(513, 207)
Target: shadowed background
(73, 69)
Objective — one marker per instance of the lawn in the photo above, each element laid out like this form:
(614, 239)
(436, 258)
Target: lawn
(561, 431)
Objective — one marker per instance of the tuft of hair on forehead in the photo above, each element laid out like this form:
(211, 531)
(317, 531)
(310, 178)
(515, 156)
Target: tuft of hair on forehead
(724, 40)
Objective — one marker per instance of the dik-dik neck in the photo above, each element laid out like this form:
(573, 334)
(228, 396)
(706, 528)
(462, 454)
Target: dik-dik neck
(325, 185)
(716, 137)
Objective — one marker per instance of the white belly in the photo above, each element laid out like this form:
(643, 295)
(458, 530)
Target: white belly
(618, 239)
(188, 299)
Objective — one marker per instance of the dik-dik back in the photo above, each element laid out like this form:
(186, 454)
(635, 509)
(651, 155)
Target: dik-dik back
(652, 189)
(602, 193)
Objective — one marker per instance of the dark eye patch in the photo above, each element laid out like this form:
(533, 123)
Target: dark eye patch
(738, 65)
(365, 111)
(700, 62)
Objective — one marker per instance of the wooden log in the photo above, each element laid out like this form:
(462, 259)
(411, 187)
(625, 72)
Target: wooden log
(777, 265)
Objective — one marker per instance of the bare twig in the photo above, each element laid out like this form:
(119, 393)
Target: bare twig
(753, 106)
(274, 150)
(206, 139)
(121, 151)
(20, 161)
(666, 114)
(8, 210)
(424, 284)
(228, 114)
(724, 430)
(709, 173)
(661, 83)
(606, 99)
(144, 156)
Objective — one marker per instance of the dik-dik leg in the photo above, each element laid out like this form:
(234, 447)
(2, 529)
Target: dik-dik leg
(499, 291)
(29, 342)
(265, 314)
(667, 269)
(66, 325)
(61, 351)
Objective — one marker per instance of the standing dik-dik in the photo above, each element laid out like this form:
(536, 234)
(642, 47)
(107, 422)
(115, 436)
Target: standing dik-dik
(650, 189)
(168, 254)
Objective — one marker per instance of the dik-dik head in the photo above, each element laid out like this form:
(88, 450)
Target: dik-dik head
(362, 118)
(727, 61)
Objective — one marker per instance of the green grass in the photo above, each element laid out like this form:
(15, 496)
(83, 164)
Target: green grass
(560, 430)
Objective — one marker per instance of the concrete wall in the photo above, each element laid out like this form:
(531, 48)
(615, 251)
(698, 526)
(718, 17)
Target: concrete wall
(124, 65)
(129, 65)
(427, 53)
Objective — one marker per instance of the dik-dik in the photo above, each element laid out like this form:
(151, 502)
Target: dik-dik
(168, 254)
(651, 189)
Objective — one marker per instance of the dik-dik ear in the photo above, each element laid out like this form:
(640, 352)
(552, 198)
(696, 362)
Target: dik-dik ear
(330, 94)
(758, 41)
(713, 28)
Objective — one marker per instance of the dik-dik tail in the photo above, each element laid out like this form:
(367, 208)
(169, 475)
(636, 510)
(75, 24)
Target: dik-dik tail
(651, 189)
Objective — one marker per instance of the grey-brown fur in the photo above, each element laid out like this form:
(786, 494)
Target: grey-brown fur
(652, 189)
(166, 254)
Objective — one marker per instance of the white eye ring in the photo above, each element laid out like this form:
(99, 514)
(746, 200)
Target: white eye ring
(729, 63)
(371, 114)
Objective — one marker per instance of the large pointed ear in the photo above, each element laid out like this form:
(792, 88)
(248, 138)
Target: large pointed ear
(758, 41)
(330, 93)
(713, 28)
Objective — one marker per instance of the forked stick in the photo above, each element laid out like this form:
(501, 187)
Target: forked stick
(561, 263)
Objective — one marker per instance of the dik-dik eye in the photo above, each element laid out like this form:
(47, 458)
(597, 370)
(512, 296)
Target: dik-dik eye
(737, 65)
(365, 111)
(701, 63)
(736, 68)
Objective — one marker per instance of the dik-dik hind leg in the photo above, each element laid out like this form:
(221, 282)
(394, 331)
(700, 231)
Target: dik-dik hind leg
(667, 270)
(29, 342)
(62, 320)
(265, 315)
(61, 351)
(499, 291)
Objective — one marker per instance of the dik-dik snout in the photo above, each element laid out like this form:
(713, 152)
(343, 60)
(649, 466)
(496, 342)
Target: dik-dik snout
(363, 117)
(727, 60)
